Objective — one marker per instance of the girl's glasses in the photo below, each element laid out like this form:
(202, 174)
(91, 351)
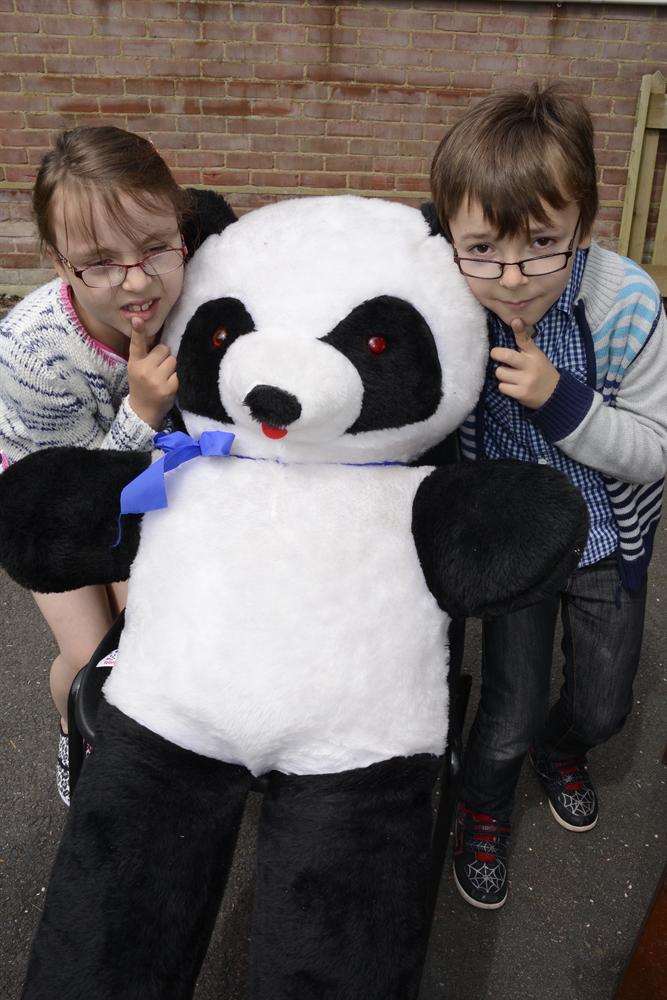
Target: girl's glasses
(531, 267)
(112, 275)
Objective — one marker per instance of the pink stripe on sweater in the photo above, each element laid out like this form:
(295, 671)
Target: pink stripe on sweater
(104, 349)
(4, 461)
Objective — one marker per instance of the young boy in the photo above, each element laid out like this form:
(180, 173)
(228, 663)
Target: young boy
(577, 379)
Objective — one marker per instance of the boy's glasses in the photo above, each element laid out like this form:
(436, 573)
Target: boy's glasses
(113, 275)
(531, 267)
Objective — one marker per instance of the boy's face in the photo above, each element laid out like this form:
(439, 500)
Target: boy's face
(107, 312)
(514, 295)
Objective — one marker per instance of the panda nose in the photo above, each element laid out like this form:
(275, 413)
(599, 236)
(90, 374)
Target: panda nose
(273, 406)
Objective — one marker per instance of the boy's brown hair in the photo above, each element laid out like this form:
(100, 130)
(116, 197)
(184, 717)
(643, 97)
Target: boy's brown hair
(512, 149)
(107, 163)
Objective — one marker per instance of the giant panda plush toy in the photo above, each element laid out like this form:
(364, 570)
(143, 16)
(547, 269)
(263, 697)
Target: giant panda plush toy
(292, 575)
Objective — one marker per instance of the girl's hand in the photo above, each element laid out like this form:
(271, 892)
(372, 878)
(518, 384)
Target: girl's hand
(152, 376)
(526, 375)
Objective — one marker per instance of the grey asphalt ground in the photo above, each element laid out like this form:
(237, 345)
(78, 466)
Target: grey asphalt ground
(576, 900)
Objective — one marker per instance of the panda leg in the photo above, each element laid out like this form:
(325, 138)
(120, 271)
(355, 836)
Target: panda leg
(140, 870)
(343, 869)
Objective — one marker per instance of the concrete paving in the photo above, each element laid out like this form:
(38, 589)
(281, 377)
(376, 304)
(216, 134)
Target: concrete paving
(577, 900)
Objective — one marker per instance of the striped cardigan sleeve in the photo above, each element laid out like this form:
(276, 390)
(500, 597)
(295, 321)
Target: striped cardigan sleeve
(627, 440)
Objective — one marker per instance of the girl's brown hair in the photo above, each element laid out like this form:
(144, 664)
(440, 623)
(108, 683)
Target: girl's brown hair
(106, 162)
(512, 149)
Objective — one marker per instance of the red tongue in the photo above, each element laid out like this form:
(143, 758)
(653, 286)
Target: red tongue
(273, 432)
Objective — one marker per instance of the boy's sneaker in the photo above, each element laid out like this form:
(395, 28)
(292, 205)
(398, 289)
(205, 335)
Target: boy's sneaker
(62, 768)
(570, 791)
(480, 858)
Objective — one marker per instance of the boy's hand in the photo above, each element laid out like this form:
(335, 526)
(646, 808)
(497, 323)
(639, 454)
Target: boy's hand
(526, 375)
(151, 373)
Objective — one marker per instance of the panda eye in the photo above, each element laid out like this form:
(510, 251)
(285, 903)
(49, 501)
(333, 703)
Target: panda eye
(377, 345)
(219, 337)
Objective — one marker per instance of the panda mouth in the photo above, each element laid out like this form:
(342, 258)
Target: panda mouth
(275, 433)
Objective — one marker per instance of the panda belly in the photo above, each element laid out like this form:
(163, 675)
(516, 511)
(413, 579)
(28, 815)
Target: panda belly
(278, 618)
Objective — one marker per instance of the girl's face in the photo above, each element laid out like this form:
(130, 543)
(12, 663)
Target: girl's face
(106, 312)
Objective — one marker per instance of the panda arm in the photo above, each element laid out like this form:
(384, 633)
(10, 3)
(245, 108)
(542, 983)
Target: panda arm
(59, 518)
(493, 537)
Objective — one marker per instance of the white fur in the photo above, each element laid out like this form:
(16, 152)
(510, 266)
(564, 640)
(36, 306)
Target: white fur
(278, 618)
(299, 267)
(277, 612)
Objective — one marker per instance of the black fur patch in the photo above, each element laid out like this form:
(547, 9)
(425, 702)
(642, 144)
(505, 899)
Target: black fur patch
(140, 870)
(209, 213)
(59, 518)
(215, 325)
(343, 866)
(493, 537)
(403, 383)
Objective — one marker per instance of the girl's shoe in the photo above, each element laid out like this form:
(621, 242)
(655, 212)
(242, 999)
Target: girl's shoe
(571, 793)
(480, 858)
(62, 767)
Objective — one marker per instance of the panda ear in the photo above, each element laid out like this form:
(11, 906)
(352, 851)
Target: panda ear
(209, 213)
(429, 212)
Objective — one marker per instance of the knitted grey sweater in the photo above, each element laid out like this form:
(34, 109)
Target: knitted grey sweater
(59, 386)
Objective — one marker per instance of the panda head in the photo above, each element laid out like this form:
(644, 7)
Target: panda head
(327, 330)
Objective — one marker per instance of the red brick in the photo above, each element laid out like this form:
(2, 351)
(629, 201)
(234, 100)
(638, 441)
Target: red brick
(599, 28)
(384, 37)
(185, 176)
(537, 66)
(428, 78)
(172, 67)
(9, 155)
(123, 28)
(574, 47)
(19, 23)
(215, 140)
(330, 109)
(255, 12)
(475, 43)
(323, 144)
(501, 25)
(380, 74)
(481, 81)
(271, 143)
(197, 50)
(411, 20)
(275, 178)
(496, 62)
(74, 104)
(47, 85)
(451, 60)
(10, 83)
(354, 54)
(174, 29)
(150, 85)
(124, 105)
(249, 51)
(457, 22)
(266, 91)
(198, 158)
(335, 73)
(60, 25)
(310, 15)
(433, 40)
(145, 48)
(227, 108)
(333, 36)
(263, 126)
(94, 46)
(11, 120)
(111, 8)
(550, 27)
(594, 68)
(23, 64)
(322, 179)
(70, 64)
(296, 90)
(625, 50)
(645, 31)
(250, 161)
(201, 88)
(371, 182)
(41, 43)
(152, 10)
(363, 17)
(281, 33)
(202, 12)
(292, 161)
(229, 32)
(406, 58)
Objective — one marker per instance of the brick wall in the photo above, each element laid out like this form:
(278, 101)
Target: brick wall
(279, 97)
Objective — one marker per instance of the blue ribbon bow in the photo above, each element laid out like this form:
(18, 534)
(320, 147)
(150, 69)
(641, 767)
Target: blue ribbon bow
(147, 491)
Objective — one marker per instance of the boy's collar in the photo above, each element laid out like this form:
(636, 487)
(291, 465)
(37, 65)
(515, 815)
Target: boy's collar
(566, 301)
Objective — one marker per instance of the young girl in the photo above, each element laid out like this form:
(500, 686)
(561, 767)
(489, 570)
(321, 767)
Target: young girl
(80, 361)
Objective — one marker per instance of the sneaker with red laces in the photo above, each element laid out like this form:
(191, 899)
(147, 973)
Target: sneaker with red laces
(570, 791)
(480, 858)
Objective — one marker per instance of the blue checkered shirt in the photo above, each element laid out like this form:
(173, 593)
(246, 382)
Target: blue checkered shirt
(508, 433)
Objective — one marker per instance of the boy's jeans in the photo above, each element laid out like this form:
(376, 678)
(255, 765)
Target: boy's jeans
(602, 634)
